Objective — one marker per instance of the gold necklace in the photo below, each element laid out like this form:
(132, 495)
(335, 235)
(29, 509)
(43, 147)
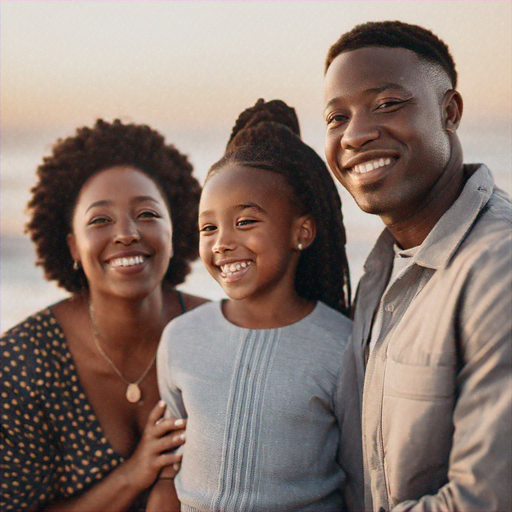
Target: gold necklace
(133, 393)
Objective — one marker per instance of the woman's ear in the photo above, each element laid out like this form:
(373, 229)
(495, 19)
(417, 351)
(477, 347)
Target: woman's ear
(305, 232)
(452, 110)
(73, 249)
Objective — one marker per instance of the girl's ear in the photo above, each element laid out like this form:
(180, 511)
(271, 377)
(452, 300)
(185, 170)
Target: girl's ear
(305, 232)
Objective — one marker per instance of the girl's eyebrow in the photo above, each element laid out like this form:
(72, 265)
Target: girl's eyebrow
(238, 207)
(250, 206)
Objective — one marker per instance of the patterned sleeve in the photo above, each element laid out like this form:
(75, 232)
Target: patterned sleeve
(28, 450)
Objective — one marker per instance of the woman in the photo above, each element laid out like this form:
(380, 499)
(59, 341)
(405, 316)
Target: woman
(113, 217)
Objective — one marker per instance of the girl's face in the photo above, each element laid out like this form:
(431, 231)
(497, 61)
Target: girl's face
(249, 232)
(121, 233)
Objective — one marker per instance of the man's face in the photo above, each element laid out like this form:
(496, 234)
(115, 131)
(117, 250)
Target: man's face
(386, 141)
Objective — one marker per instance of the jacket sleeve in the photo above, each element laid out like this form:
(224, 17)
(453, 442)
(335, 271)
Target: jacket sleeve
(479, 475)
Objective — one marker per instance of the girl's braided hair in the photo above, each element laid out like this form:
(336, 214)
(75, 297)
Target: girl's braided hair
(267, 136)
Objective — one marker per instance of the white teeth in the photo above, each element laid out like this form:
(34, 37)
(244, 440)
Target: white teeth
(370, 166)
(127, 262)
(230, 269)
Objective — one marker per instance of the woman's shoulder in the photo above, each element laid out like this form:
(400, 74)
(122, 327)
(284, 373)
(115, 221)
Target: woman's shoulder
(38, 321)
(192, 301)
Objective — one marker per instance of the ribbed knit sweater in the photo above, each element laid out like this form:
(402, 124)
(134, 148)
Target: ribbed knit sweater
(265, 409)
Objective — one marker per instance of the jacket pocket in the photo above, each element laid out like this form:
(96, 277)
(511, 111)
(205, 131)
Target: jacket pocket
(419, 382)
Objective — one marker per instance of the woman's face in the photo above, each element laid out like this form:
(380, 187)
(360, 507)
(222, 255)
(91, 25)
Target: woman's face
(121, 233)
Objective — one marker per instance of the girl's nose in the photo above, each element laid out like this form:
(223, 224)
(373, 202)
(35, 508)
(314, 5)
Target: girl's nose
(359, 130)
(223, 243)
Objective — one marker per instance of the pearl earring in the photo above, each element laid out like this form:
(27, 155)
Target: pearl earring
(75, 265)
(299, 246)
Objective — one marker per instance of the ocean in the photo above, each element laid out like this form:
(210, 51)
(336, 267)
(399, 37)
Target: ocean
(23, 289)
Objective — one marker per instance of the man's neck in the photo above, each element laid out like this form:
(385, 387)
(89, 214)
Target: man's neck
(412, 231)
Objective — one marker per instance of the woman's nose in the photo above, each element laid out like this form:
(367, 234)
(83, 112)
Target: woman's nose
(126, 232)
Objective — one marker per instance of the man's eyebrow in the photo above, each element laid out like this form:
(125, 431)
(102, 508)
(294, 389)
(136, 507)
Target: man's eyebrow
(370, 91)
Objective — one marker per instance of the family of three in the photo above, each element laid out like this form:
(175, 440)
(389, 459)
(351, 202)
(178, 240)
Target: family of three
(291, 395)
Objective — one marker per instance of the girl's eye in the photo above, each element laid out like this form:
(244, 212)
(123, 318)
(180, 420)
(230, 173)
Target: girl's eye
(336, 118)
(246, 222)
(207, 229)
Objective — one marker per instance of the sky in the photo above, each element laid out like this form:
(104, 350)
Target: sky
(188, 68)
(194, 65)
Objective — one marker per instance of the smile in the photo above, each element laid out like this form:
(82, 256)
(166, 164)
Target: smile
(127, 262)
(233, 270)
(372, 165)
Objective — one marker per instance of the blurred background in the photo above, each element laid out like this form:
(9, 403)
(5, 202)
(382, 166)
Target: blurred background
(188, 68)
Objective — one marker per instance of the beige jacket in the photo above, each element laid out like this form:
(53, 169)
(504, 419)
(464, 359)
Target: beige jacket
(437, 389)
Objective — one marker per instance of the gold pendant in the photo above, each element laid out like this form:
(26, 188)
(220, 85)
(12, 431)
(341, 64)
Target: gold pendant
(133, 393)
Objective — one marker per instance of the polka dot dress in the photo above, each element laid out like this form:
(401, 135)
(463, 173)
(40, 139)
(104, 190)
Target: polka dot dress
(52, 445)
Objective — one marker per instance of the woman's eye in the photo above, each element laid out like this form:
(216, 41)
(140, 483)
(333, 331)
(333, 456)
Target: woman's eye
(149, 214)
(98, 220)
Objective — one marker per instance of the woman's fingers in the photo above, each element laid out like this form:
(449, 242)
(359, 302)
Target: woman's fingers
(170, 471)
(156, 413)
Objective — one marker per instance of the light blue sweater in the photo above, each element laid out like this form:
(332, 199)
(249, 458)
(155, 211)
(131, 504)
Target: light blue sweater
(265, 408)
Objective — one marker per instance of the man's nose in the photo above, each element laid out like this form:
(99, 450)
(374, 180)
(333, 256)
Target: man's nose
(360, 129)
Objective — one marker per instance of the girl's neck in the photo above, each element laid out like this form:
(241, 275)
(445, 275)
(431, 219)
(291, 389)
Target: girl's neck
(264, 314)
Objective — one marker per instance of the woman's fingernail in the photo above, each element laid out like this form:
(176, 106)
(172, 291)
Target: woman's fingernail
(176, 466)
(161, 403)
(180, 422)
(181, 437)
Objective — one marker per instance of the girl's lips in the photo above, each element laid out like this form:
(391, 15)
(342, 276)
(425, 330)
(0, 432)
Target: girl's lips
(232, 272)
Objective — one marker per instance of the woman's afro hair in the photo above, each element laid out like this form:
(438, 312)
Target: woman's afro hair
(75, 159)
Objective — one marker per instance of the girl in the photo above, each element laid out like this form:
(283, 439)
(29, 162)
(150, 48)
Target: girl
(260, 376)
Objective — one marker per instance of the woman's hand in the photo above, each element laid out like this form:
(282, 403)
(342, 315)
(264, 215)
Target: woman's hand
(152, 454)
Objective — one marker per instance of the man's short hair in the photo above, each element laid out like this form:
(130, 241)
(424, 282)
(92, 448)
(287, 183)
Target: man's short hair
(396, 34)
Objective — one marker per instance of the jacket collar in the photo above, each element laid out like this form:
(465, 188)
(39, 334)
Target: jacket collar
(441, 243)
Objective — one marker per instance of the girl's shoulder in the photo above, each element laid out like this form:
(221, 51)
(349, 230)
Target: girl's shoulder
(325, 318)
(203, 317)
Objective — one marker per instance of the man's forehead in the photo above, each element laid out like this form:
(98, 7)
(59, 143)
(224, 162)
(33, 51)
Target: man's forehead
(374, 67)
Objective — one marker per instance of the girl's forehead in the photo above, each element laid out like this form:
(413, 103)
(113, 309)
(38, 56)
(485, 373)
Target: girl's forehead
(236, 182)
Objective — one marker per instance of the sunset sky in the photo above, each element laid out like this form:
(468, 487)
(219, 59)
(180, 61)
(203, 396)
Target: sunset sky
(189, 67)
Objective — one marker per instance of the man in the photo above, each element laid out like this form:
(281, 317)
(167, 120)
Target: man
(432, 325)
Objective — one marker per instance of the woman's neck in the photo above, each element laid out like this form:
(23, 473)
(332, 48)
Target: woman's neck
(124, 324)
